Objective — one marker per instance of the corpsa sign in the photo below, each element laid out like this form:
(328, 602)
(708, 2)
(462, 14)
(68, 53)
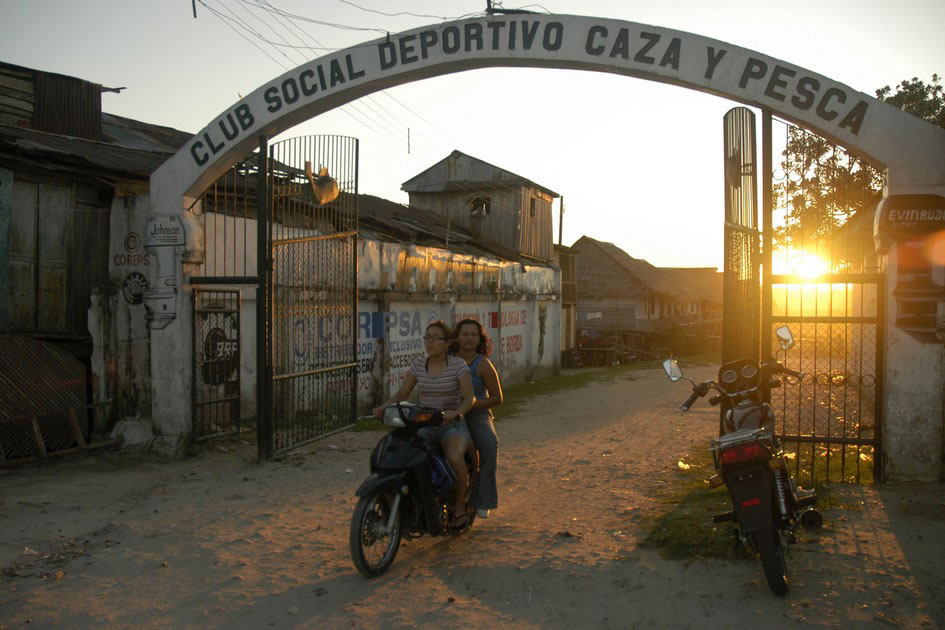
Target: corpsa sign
(580, 42)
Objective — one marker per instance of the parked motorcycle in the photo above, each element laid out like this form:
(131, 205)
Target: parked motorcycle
(767, 504)
(409, 492)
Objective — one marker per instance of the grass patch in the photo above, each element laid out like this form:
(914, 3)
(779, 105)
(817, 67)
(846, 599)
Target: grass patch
(516, 397)
(685, 530)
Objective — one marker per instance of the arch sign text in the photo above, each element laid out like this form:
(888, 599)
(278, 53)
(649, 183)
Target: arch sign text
(912, 150)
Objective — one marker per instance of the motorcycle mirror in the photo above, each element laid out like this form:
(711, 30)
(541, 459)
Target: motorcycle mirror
(671, 367)
(785, 337)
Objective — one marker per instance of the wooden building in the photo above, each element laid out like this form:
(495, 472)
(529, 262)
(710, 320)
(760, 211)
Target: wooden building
(490, 202)
(66, 171)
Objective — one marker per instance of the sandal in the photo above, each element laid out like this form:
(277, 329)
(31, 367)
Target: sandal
(460, 522)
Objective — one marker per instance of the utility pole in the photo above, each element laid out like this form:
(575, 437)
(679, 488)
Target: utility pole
(560, 219)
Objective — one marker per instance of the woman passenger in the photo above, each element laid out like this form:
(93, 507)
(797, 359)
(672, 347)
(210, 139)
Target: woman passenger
(474, 347)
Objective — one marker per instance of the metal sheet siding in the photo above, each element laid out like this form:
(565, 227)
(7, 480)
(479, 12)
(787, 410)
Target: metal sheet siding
(68, 106)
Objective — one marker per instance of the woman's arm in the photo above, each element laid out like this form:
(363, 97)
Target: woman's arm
(409, 382)
(466, 391)
(491, 378)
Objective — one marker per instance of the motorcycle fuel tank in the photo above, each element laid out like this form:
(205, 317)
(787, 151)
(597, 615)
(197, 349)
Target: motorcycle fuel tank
(396, 452)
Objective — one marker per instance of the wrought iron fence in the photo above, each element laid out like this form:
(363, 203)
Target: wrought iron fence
(312, 339)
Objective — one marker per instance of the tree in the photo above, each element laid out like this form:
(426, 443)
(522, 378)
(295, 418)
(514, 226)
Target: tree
(824, 186)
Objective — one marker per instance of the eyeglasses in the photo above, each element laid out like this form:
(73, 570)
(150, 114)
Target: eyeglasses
(431, 338)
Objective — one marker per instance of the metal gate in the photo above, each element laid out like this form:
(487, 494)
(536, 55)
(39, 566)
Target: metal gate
(741, 312)
(825, 283)
(829, 421)
(216, 370)
(311, 340)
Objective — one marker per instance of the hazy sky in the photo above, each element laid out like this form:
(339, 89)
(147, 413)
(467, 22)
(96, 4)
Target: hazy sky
(639, 163)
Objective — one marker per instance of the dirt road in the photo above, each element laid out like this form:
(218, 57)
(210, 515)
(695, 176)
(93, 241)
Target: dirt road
(217, 540)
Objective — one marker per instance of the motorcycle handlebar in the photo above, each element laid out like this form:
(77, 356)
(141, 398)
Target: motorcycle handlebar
(776, 367)
(692, 398)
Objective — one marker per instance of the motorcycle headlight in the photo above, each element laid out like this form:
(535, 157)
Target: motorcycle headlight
(392, 417)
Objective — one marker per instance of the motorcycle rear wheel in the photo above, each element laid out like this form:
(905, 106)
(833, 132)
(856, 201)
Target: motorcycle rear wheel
(373, 549)
(768, 543)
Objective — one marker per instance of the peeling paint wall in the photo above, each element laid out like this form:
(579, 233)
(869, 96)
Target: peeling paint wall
(402, 288)
(121, 360)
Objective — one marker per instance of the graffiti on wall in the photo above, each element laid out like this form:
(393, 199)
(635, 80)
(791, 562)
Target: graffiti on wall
(321, 341)
(507, 330)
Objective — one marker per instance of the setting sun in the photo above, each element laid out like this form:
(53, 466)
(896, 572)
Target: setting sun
(800, 263)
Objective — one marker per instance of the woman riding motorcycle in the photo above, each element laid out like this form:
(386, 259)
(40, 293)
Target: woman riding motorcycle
(445, 384)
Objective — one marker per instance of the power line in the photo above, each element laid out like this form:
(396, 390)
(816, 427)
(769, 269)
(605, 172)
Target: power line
(363, 118)
(227, 20)
(420, 15)
(269, 7)
(378, 128)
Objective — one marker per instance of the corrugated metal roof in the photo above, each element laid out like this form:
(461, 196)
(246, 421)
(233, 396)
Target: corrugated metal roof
(437, 178)
(704, 281)
(131, 148)
(656, 278)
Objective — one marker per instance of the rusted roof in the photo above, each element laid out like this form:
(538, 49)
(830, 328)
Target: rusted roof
(665, 280)
(704, 281)
(441, 177)
(130, 148)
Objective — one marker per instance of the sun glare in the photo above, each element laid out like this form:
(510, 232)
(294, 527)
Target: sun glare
(800, 263)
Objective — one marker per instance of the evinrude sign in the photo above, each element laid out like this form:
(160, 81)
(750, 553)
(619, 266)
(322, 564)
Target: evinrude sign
(903, 217)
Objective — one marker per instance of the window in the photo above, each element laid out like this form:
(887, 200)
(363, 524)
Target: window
(531, 207)
(481, 207)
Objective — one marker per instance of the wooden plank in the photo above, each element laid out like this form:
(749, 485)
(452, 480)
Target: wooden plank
(11, 103)
(79, 438)
(38, 436)
(98, 445)
(17, 94)
(19, 84)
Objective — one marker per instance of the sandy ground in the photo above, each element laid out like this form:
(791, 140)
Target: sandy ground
(217, 540)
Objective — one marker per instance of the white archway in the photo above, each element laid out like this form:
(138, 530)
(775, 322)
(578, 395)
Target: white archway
(911, 149)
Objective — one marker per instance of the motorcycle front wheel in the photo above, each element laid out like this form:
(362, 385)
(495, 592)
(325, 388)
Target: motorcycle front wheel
(768, 543)
(373, 548)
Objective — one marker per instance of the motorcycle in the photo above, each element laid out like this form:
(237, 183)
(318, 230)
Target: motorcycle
(767, 504)
(409, 492)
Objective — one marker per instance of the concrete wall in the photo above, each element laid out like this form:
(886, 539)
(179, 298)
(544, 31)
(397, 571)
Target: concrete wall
(913, 401)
